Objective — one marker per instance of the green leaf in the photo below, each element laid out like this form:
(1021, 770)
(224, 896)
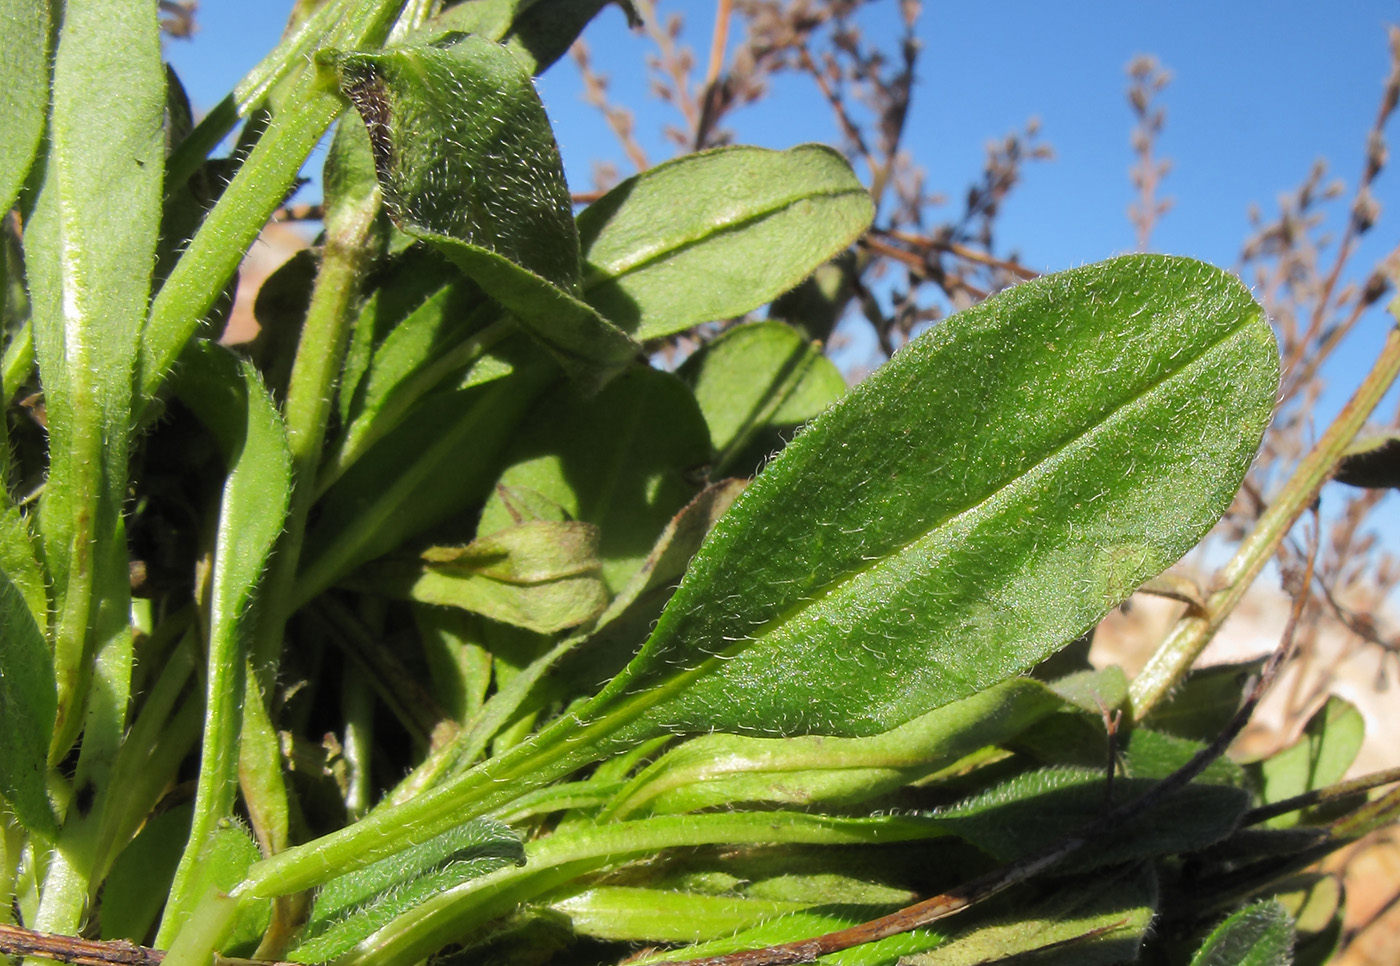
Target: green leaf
(28, 705)
(467, 162)
(756, 384)
(228, 396)
(1097, 924)
(226, 856)
(1205, 702)
(623, 460)
(537, 32)
(350, 908)
(24, 75)
(90, 248)
(137, 886)
(723, 769)
(1258, 935)
(21, 567)
(980, 501)
(662, 915)
(1320, 757)
(713, 235)
(1314, 901)
(1373, 461)
(441, 459)
(541, 576)
(1035, 809)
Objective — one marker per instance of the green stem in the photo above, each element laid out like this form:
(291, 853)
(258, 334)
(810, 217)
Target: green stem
(558, 859)
(307, 410)
(260, 185)
(293, 52)
(1194, 631)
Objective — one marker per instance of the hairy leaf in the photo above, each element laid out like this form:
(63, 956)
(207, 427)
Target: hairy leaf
(1034, 809)
(723, 769)
(468, 163)
(24, 72)
(716, 234)
(28, 703)
(1096, 924)
(350, 908)
(90, 248)
(976, 504)
(1257, 935)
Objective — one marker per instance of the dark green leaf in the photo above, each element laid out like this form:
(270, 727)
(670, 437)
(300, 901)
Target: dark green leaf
(716, 234)
(541, 576)
(24, 74)
(1035, 809)
(350, 908)
(1097, 924)
(1257, 935)
(537, 32)
(756, 384)
(468, 163)
(623, 460)
(28, 704)
(136, 887)
(980, 501)
(1371, 462)
(1320, 757)
(1205, 702)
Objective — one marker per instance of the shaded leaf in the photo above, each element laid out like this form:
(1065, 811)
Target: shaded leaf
(1371, 462)
(439, 461)
(1257, 935)
(352, 907)
(28, 705)
(1204, 703)
(541, 576)
(1034, 809)
(1320, 757)
(756, 384)
(715, 234)
(1097, 924)
(137, 885)
(467, 162)
(623, 460)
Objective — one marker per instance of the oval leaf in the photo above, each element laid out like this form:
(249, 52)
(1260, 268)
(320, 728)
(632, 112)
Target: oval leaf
(24, 63)
(467, 162)
(980, 501)
(716, 234)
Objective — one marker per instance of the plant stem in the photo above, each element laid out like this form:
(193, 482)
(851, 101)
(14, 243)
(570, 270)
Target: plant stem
(307, 411)
(1194, 630)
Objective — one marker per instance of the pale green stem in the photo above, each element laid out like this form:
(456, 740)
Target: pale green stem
(1194, 630)
(307, 412)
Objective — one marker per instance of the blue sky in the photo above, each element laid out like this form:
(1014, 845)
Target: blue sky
(1260, 92)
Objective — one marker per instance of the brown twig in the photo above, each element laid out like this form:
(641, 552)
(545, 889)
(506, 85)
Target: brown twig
(710, 98)
(18, 941)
